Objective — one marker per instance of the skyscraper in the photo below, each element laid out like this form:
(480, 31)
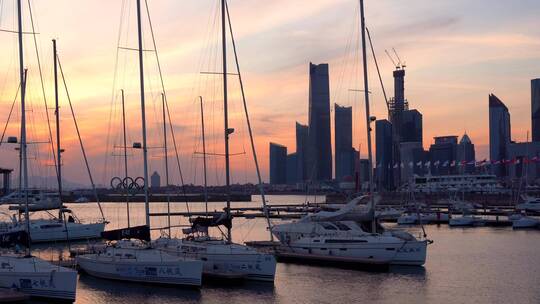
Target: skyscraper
(344, 161)
(301, 152)
(411, 125)
(278, 164)
(292, 160)
(466, 155)
(442, 154)
(499, 134)
(383, 153)
(319, 140)
(411, 154)
(535, 109)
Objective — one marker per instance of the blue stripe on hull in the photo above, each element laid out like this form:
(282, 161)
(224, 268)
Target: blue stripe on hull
(165, 281)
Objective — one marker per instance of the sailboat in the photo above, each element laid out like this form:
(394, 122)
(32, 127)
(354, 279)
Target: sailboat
(129, 259)
(222, 258)
(24, 272)
(64, 227)
(336, 237)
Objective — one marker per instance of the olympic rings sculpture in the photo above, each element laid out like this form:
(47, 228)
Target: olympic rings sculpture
(127, 183)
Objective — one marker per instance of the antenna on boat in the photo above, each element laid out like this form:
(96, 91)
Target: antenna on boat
(143, 114)
(369, 119)
(228, 130)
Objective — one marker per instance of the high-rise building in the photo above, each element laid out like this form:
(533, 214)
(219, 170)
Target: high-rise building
(466, 155)
(155, 180)
(521, 166)
(344, 158)
(442, 154)
(499, 134)
(319, 138)
(535, 109)
(278, 164)
(411, 125)
(411, 153)
(292, 160)
(301, 152)
(383, 154)
(363, 171)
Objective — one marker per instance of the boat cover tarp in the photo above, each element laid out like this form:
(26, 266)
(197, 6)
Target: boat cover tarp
(138, 232)
(202, 223)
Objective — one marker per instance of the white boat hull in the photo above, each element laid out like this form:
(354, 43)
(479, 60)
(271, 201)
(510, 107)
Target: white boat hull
(75, 231)
(406, 253)
(45, 281)
(525, 222)
(148, 267)
(224, 260)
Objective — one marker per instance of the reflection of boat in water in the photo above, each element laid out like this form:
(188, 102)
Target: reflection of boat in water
(330, 236)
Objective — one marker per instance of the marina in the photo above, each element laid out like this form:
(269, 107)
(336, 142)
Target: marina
(510, 257)
(158, 191)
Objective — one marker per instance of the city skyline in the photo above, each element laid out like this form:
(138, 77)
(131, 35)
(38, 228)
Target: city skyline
(451, 69)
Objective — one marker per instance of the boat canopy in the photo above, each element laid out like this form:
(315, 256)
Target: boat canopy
(138, 232)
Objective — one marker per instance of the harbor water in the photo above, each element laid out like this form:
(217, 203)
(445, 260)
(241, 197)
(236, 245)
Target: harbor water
(464, 265)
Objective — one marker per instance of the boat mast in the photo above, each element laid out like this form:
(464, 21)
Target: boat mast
(226, 118)
(125, 154)
(204, 158)
(22, 155)
(166, 163)
(368, 116)
(253, 150)
(57, 114)
(143, 114)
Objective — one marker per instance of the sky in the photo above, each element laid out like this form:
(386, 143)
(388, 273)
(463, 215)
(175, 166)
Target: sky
(456, 53)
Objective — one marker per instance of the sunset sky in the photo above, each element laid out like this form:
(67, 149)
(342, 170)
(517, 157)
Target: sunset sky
(456, 52)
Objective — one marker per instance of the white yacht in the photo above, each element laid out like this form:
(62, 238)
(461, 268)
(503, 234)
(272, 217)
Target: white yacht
(431, 217)
(133, 261)
(136, 262)
(37, 278)
(529, 204)
(332, 236)
(465, 221)
(31, 275)
(54, 230)
(525, 222)
(222, 259)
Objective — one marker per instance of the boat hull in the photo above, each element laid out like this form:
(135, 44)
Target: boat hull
(366, 253)
(58, 284)
(74, 232)
(223, 260)
(179, 272)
